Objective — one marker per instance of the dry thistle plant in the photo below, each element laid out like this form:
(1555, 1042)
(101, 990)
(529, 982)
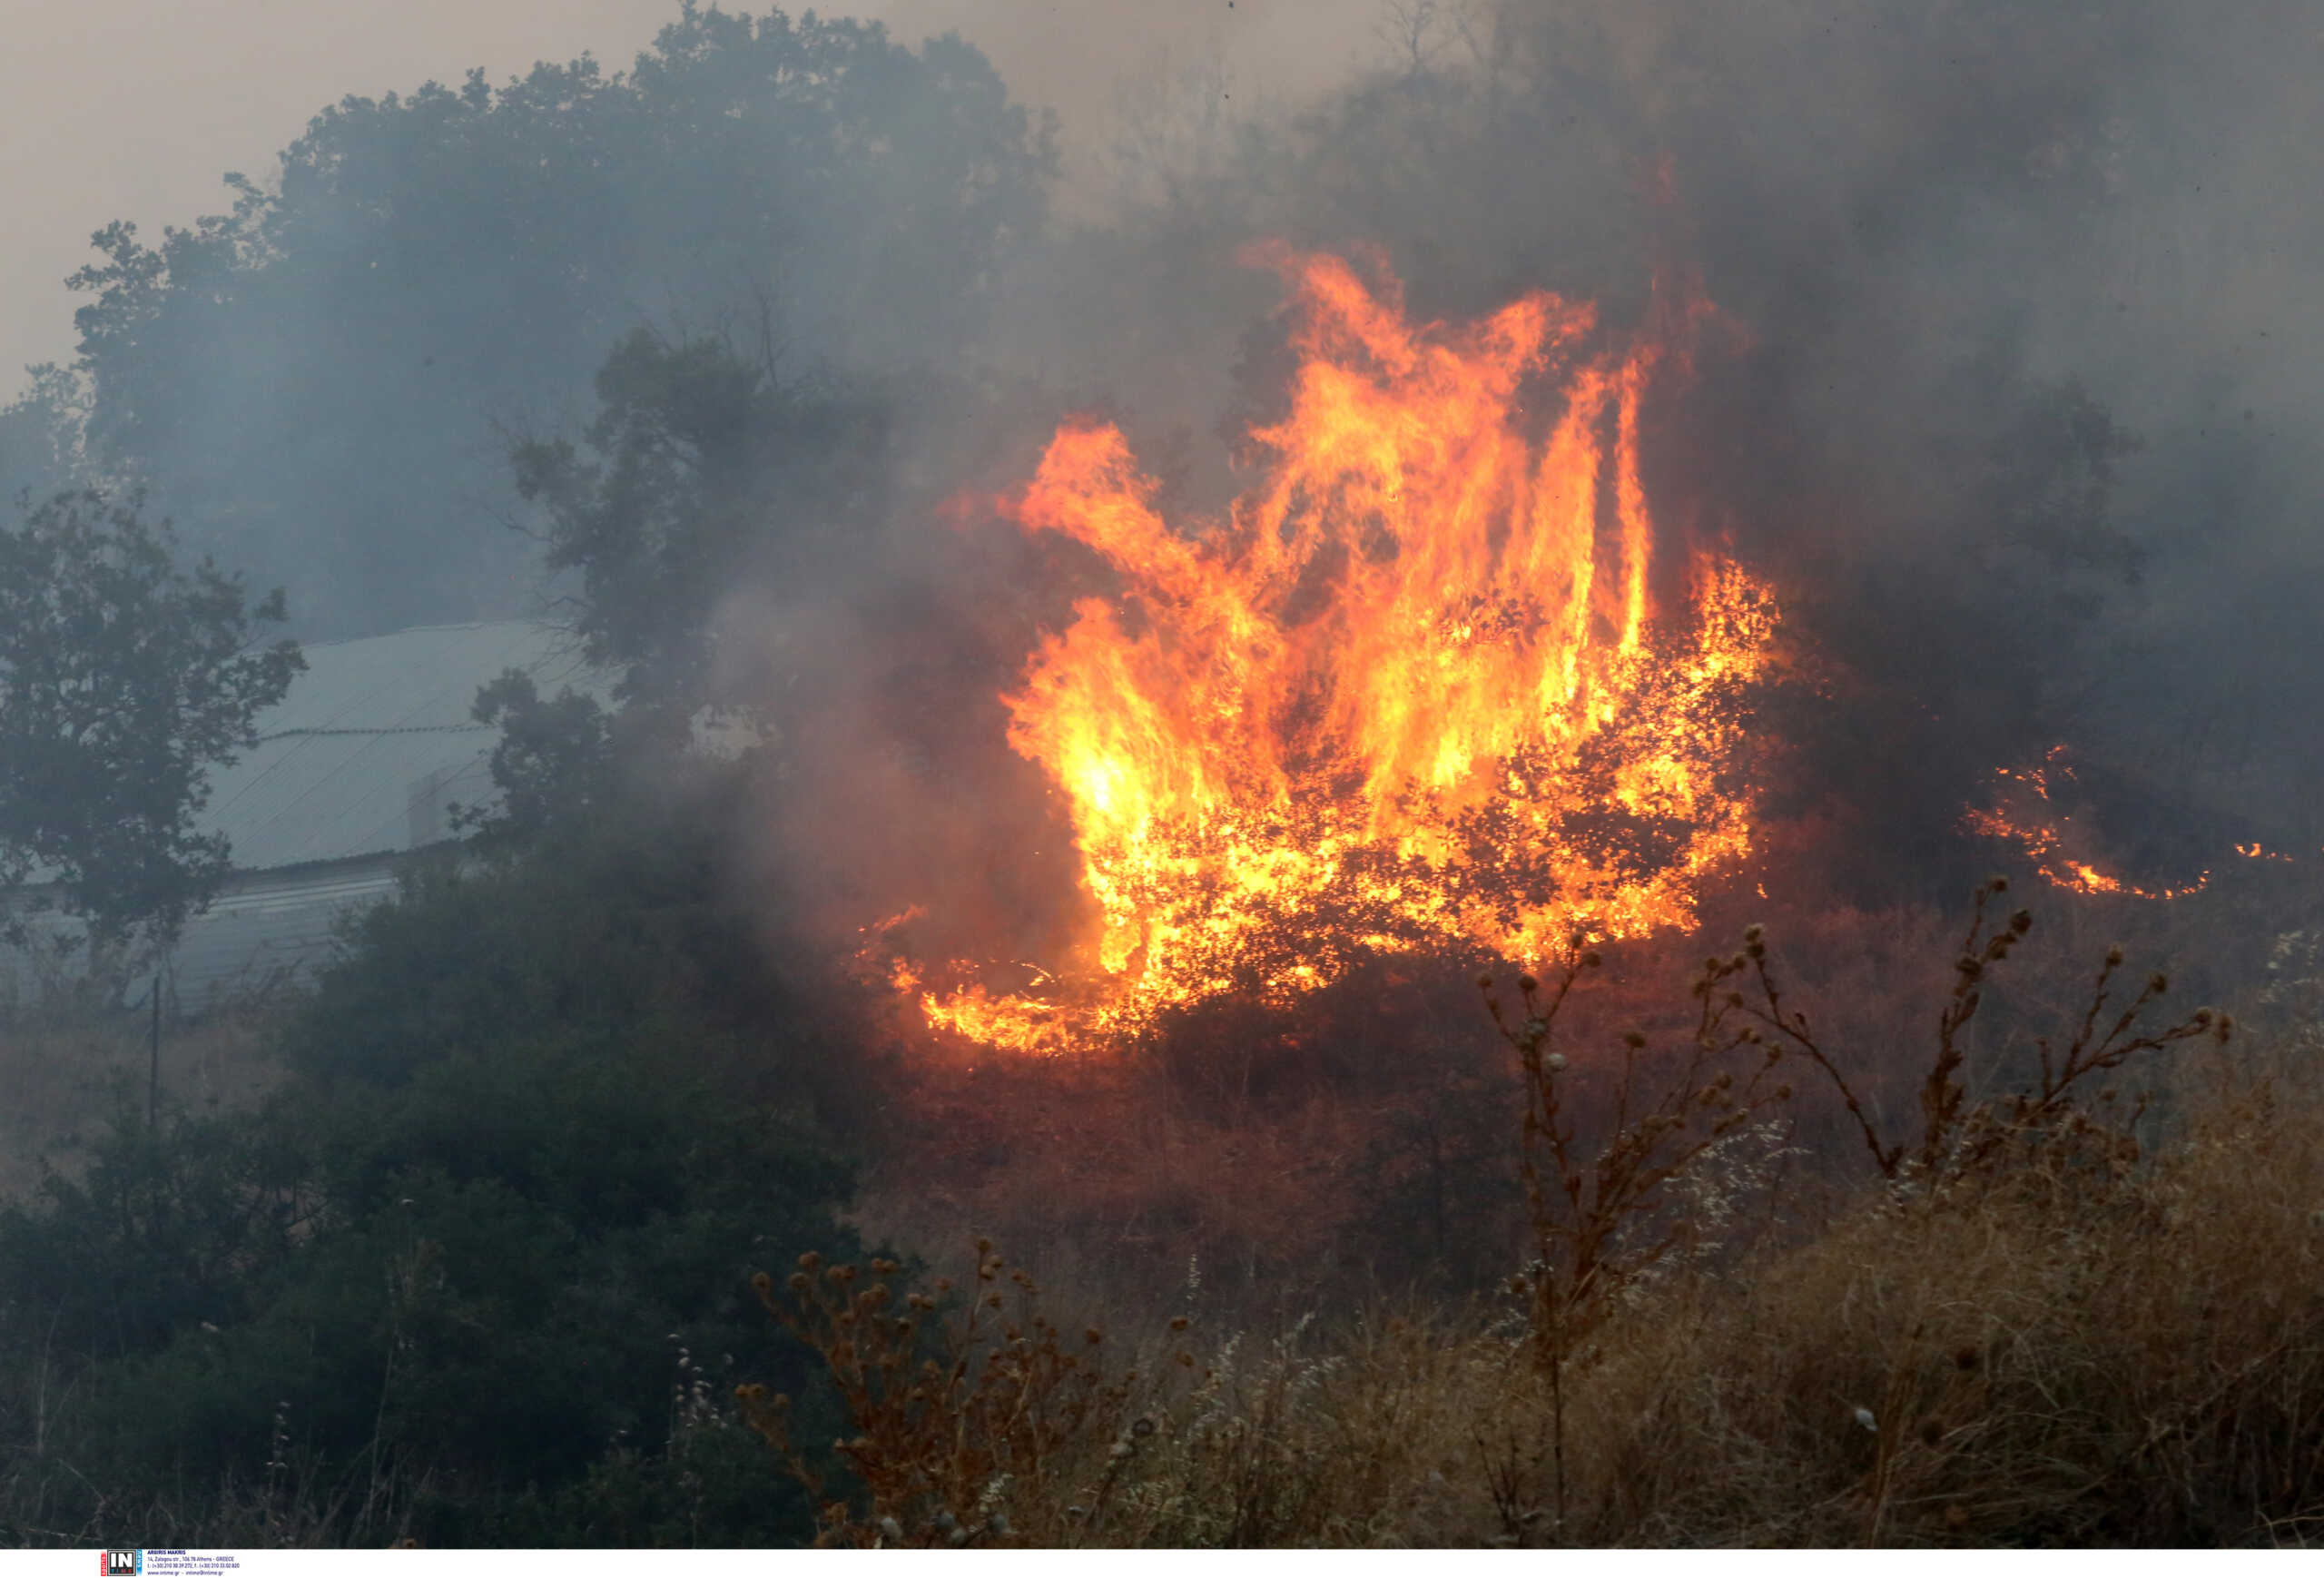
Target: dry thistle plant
(1599, 1221)
(1606, 1213)
(1972, 1154)
(1957, 1138)
(1874, 1376)
(960, 1413)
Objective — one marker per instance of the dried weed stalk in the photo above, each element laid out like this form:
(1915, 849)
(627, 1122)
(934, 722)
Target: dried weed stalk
(1605, 1213)
(958, 1413)
(1956, 1137)
(1598, 1219)
(1859, 1382)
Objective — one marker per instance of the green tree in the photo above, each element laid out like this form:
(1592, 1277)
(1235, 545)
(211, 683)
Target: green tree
(554, 763)
(124, 678)
(702, 466)
(41, 450)
(477, 1279)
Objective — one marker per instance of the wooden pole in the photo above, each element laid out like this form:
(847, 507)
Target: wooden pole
(153, 1052)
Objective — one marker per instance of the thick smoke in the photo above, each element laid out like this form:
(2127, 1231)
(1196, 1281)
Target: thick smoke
(2012, 389)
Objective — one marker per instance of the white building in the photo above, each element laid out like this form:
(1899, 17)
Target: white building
(361, 763)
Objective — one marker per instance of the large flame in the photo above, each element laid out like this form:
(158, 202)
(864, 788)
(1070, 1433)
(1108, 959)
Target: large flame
(1415, 688)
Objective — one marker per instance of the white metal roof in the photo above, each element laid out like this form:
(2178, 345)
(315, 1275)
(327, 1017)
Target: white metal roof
(362, 759)
(269, 929)
(375, 739)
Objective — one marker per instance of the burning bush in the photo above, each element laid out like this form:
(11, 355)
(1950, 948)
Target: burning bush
(1431, 682)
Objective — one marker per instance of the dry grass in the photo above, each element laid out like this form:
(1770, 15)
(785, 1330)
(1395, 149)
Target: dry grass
(68, 1068)
(1101, 1176)
(2047, 1315)
(2077, 1358)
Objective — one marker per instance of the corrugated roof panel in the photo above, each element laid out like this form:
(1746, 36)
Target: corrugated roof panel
(422, 678)
(274, 932)
(372, 729)
(332, 796)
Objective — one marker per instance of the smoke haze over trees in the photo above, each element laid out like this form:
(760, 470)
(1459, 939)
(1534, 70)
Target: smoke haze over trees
(1977, 418)
(312, 382)
(2003, 375)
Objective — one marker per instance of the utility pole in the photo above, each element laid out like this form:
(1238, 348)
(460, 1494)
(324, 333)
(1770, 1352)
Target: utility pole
(153, 1053)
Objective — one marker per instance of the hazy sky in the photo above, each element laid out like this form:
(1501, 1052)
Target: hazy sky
(131, 109)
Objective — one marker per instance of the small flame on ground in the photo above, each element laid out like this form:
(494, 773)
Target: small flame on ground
(2043, 843)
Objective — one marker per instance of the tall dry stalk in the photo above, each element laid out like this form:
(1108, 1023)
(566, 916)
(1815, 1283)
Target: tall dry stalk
(958, 1413)
(1603, 1214)
(1598, 1216)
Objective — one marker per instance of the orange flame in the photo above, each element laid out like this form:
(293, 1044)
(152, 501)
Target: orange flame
(1414, 689)
(2043, 842)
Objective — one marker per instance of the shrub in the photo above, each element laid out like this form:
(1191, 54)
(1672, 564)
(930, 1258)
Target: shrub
(479, 1277)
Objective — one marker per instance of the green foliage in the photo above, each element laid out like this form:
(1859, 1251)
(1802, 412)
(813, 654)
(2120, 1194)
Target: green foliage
(622, 929)
(485, 1256)
(486, 1271)
(554, 761)
(123, 677)
(159, 1231)
(491, 1272)
(706, 467)
(40, 435)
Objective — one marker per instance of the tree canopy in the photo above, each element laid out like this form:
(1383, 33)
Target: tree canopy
(701, 468)
(123, 677)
